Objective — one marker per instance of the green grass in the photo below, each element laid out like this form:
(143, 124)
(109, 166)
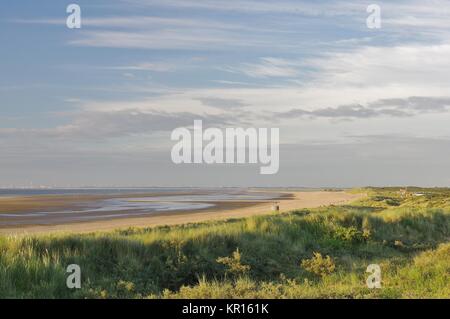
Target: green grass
(257, 257)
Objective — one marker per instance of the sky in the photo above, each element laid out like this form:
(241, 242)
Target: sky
(95, 106)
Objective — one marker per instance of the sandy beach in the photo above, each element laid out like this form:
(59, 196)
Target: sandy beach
(218, 210)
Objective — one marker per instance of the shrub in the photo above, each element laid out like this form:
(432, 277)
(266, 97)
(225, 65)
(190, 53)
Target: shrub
(125, 289)
(319, 265)
(392, 202)
(233, 264)
(367, 234)
(351, 234)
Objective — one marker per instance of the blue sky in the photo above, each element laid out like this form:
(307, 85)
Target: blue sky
(96, 105)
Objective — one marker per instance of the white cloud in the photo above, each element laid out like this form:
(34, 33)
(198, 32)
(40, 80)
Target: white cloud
(357, 77)
(401, 66)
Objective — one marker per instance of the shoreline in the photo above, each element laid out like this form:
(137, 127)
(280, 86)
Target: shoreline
(290, 200)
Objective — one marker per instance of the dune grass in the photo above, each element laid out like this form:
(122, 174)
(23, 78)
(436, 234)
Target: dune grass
(310, 253)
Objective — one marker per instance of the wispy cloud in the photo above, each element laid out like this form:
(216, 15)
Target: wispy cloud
(385, 107)
(422, 64)
(268, 67)
(297, 7)
(233, 83)
(140, 22)
(105, 125)
(146, 66)
(193, 39)
(221, 103)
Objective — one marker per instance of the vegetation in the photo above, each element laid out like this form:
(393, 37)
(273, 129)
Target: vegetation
(319, 265)
(314, 253)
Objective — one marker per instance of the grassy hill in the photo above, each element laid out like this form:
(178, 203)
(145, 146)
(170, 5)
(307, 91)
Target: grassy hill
(321, 253)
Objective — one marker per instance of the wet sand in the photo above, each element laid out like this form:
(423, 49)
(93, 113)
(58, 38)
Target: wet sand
(290, 200)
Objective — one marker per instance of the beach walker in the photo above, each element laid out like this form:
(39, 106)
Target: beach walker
(276, 207)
